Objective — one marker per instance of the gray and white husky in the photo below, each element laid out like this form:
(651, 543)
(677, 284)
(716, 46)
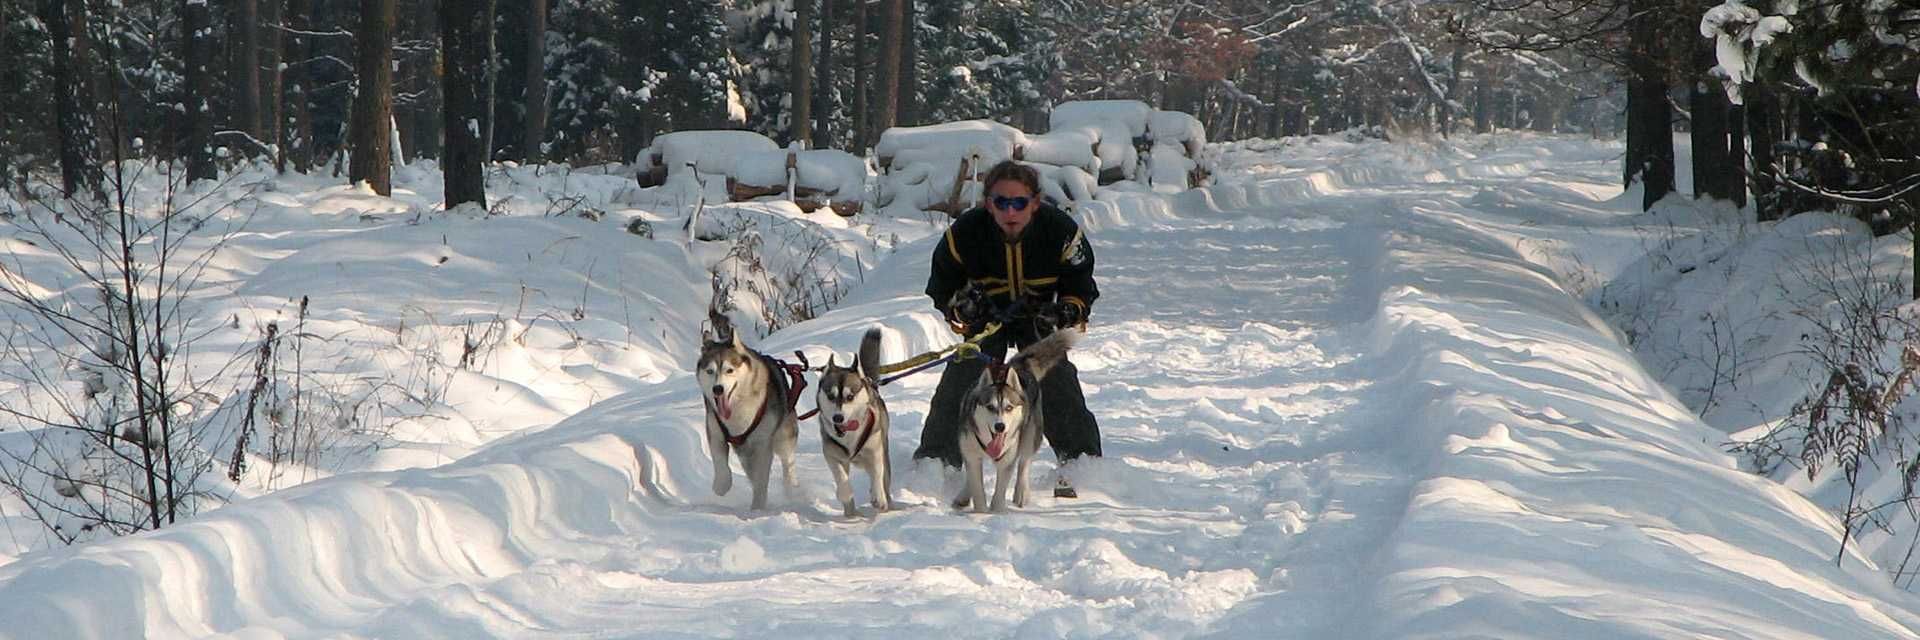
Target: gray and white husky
(853, 425)
(1001, 422)
(749, 412)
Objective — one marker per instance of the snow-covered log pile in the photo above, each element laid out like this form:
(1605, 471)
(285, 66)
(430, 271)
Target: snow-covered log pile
(1090, 143)
(753, 167)
(939, 167)
(704, 152)
(811, 178)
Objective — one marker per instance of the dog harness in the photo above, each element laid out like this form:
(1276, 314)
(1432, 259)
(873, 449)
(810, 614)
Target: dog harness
(999, 372)
(797, 382)
(860, 444)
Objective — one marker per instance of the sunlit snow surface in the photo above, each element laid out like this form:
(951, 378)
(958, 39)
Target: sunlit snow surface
(1336, 401)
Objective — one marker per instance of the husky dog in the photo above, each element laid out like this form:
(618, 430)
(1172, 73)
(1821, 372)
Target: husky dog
(748, 412)
(853, 425)
(1001, 422)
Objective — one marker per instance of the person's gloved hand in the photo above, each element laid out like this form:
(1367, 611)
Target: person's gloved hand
(1054, 316)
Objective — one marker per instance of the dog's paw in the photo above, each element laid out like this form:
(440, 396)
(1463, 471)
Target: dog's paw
(722, 484)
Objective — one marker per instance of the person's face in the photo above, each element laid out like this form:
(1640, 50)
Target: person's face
(1012, 205)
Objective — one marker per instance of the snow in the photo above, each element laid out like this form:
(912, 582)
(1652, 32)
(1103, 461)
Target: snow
(1133, 115)
(837, 173)
(1351, 389)
(1739, 32)
(1063, 148)
(1175, 126)
(1168, 166)
(922, 164)
(995, 141)
(710, 152)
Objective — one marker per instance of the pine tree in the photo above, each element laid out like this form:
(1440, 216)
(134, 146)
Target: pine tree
(581, 68)
(24, 110)
(960, 60)
(680, 75)
(764, 46)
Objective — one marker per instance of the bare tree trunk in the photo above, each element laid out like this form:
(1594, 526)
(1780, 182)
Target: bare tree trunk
(464, 28)
(1483, 99)
(245, 82)
(1712, 165)
(6, 119)
(536, 134)
(1763, 129)
(198, 120)
(372, 160)
(907, 96)
(800, 74)
(493, 80)
(823, 110)
(891, 23)
(862, 136)
(1649, 157)
(297, 139)
(1453, 89)
(74, 100)
(271, 94)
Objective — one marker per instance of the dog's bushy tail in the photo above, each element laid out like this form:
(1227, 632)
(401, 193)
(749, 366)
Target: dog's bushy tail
(1040, 357)
(868, 361)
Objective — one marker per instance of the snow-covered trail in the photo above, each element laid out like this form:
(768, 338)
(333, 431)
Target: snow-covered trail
(1336, 402)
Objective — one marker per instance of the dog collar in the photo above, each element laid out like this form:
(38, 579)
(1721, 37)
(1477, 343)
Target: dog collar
(751, 426)
(860, 444)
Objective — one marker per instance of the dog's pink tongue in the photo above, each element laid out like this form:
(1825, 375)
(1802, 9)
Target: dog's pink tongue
(999, 442)
(720, 407)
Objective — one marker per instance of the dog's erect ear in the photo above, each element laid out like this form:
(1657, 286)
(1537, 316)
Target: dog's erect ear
(830, 365)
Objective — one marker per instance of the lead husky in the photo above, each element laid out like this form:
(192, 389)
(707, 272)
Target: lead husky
(1002, 422)
(748, 412)
(853, 425)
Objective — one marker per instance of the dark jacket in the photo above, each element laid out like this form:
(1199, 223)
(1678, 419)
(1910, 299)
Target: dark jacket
(1052, 262)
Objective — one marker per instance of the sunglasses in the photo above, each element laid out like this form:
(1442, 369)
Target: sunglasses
(1004, 203)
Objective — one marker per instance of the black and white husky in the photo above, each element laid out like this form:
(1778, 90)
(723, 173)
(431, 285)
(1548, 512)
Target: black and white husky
(1001, 422)
(749, 412)
(853, 425)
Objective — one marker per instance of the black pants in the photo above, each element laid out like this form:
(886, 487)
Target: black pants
(1068, 425)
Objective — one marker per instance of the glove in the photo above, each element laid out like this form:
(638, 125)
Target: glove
(1058, 315)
